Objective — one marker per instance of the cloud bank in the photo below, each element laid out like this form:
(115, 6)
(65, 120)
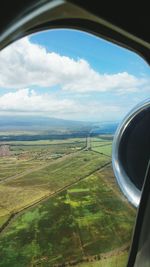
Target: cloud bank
(25, 64)
(26, 101)
(80, 89)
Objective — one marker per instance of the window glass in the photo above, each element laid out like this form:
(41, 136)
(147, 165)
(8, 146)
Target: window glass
(62, 95)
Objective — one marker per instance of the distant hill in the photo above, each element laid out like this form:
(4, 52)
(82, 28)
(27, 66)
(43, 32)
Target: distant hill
(37, 123)
(107, 127)
(35, 128)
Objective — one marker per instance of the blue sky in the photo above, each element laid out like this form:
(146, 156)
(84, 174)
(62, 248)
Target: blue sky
(72, 75)
(103, 56)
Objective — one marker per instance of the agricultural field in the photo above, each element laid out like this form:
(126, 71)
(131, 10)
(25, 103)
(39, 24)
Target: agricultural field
(106, 150)
(118, 260)
(35, 182)
(86, 221)
(25, 155)
(102, 146)
(64, 210)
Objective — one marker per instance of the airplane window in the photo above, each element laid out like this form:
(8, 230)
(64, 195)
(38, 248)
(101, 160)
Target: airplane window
(63, 94)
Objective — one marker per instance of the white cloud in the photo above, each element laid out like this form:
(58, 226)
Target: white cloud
(26, 101)
(24, 64)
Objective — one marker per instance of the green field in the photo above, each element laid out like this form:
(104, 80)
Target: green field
(113, 261)
(88, 219)
(11, 166)
(26, 189)
(95, 144)
(48, 142)
(106, 150)
(27, 155)
(65, 210)
(102, 146)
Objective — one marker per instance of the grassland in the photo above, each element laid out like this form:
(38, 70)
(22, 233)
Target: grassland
(11, 166)
(106, 150)
(32, 185)
(48, 142)
(113, 261)
(27, 155)
(102, 146)
(88, 219)
(64, 210)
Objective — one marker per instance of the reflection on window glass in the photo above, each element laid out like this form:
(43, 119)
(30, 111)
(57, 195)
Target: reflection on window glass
(63, 94)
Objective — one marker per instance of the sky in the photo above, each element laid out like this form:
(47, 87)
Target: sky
(72, 75)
